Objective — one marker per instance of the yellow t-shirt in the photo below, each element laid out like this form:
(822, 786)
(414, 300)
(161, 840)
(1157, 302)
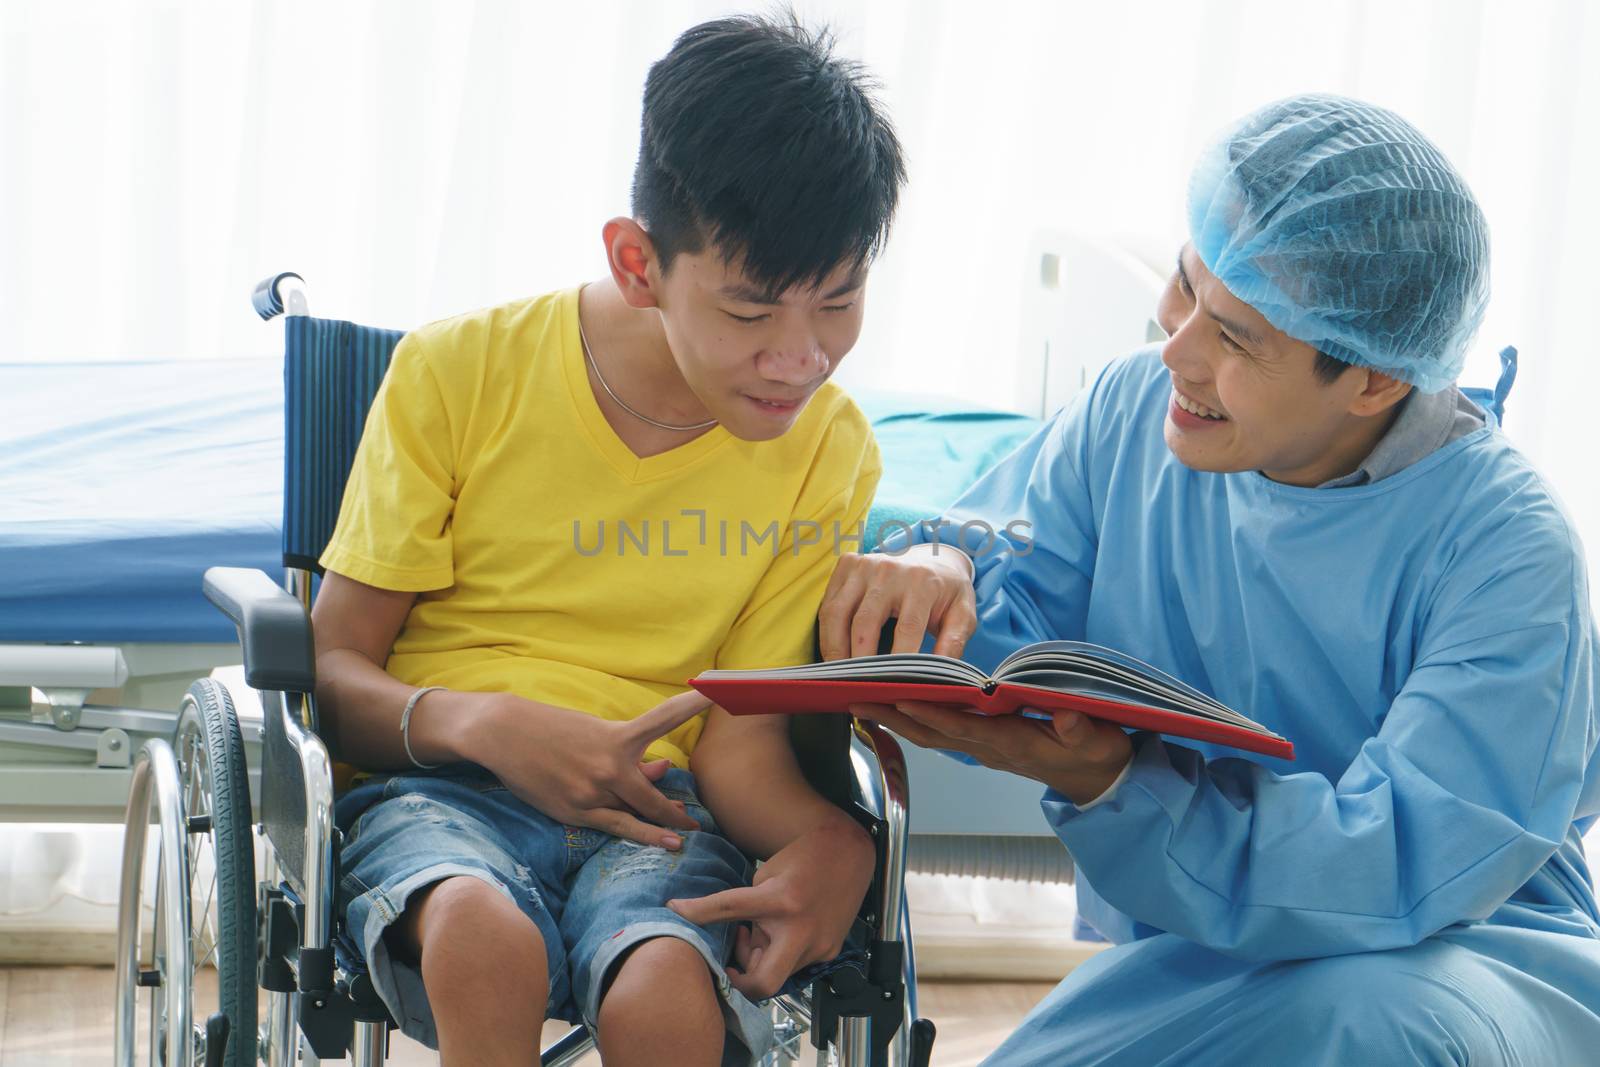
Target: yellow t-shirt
(554, 563)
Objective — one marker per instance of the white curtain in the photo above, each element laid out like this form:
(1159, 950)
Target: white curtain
(417, 159)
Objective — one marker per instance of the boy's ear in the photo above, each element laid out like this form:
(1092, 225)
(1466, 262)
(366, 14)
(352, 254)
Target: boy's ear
(633, 262)
(1381, 392)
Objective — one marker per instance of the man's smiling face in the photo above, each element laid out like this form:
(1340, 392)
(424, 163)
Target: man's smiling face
(1246, 396)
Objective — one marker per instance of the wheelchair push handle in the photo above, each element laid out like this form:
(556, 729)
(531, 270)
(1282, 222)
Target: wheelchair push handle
(269, 300)
(274, 631)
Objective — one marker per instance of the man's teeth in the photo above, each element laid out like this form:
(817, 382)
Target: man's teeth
(1195, 409)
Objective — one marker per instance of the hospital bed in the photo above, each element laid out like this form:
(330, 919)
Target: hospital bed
(101, 541)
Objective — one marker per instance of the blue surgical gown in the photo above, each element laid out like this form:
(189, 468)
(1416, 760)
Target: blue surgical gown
(1412, 888)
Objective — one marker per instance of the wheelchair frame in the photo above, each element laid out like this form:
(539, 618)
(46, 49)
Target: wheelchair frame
(314, 1010)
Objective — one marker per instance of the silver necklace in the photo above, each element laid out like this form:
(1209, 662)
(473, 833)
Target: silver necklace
(584, 341)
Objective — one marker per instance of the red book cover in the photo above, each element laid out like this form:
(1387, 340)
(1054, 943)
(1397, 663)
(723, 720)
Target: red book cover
(761, 696)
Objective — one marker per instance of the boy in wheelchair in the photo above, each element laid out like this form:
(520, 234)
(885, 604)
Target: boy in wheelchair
(563, 507)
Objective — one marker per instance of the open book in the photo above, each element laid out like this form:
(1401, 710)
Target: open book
(1049, 676)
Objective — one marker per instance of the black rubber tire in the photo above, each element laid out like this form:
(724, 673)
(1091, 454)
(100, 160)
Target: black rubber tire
(209, 711)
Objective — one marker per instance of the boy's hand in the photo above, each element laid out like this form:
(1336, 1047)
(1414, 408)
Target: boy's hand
(799, 907)
(928, 587)
(583, 770)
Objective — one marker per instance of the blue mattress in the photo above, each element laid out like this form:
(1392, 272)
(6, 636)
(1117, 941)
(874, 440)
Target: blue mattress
(120, 483)
(933, 448)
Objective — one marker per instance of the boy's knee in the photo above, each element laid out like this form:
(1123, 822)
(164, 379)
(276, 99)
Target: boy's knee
(466, 928)
(661, 983)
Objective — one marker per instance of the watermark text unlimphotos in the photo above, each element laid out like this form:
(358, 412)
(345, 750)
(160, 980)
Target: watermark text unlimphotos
(695, 529)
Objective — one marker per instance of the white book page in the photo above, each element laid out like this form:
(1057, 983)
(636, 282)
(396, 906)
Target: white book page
(1095, 670)
(914, 667)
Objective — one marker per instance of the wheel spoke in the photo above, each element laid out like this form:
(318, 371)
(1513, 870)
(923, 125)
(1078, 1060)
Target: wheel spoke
(211, 893)
(203, 928)
(211, 951)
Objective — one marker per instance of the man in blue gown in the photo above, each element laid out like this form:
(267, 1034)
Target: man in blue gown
(1292, 507)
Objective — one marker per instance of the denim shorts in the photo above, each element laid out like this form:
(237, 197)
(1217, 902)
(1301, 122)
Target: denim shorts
(591, 895)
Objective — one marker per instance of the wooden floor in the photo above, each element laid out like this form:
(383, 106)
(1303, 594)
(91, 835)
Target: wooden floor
(61, 1017)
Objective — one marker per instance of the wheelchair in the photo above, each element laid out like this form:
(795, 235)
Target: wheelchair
(275, 928)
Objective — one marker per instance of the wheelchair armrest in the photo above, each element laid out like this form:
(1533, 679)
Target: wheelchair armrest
(273, 629)
(822, 742)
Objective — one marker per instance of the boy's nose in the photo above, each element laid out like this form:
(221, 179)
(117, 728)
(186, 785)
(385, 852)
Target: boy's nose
(797, 363)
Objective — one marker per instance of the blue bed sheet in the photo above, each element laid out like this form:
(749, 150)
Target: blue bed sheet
(933, 448)
(120, 483)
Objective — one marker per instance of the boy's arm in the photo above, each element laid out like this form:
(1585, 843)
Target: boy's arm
(574, 767)
(748, 777)
(819, 861)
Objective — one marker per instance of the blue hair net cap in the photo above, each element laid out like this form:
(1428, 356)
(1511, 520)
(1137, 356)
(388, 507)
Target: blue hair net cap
(1346, 229)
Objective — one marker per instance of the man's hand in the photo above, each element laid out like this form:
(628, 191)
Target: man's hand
(1077, 756)
(583, 770)
(928, 590)
(799, 908)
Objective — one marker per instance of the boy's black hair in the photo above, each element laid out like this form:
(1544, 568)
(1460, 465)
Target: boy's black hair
(758, 141)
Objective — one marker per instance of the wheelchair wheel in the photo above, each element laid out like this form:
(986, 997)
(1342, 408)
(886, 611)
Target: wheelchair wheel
(154, 789)
(222, 869)
(204, 902)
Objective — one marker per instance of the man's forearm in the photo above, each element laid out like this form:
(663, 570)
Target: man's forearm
(360, 705)
(750, 781)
